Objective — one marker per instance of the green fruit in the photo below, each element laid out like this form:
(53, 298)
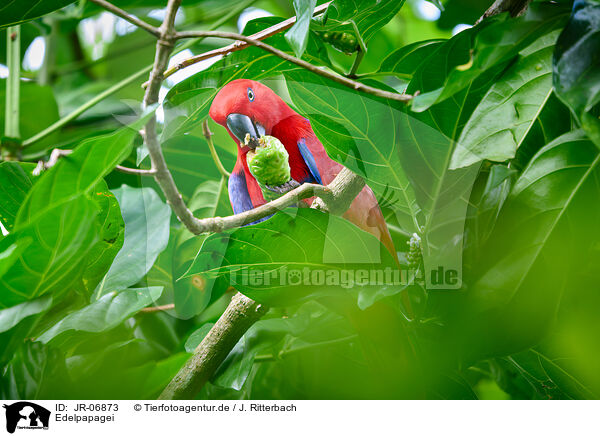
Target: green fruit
(342, 41)
(268, 162)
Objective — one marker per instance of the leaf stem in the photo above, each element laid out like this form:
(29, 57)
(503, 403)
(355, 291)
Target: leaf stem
(84, 107)
(208, 135)
(13, 43)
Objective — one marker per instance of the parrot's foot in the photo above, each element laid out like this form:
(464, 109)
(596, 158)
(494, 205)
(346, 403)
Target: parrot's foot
(286, 187)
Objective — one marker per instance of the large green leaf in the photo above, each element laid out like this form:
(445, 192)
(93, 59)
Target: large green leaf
(545, 229)
(18, 11)
(577, 65)
(77, 174)
(507, 112)
(288, 257)
(56, 258)
(368, 15)
(188, 102)
(59, 215)
(146, 235)
(104, 314)
(15, 181)
(457, 63)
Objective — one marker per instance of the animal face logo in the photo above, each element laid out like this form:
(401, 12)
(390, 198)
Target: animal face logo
(26, 415)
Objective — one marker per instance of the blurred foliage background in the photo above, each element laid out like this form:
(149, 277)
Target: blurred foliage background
(504, 131)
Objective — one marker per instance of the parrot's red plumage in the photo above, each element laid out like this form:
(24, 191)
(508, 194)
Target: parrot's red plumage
(248, 106)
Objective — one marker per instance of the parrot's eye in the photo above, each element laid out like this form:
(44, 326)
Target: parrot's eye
(250, 94)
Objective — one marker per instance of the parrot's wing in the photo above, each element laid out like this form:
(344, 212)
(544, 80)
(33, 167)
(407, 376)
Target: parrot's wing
(238, 191)
(239, 194)
(309, 159)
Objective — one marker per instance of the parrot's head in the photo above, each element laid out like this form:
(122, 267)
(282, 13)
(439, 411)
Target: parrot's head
(248, 107)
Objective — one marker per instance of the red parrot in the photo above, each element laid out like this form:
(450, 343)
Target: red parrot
(246, 106)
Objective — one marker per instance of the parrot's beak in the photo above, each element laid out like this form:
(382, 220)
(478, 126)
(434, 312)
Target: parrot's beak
(242, 125)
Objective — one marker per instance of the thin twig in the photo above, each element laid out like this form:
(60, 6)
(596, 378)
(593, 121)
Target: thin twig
(239, 45)
(162, 308)
(301, 63)
(84, 107)
(56, 154)
(208, 136)
(514, 7)
(135, 171)
(127, 17)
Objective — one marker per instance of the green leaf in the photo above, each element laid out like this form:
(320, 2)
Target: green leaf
(404, 62)
(146, 220)
(106, 313)
(38, 110)
(576, 65)
(12, 253)
(507, 112)
(19, 11)
(297, 36)
(188, 102)
(288, 257)
(56, 258)
(111, 235)
(368, 15)
(457, 63)
(545, 229)
(546, 377)
(15, 182)
(77, 173)
(13, 315)
(32, 373)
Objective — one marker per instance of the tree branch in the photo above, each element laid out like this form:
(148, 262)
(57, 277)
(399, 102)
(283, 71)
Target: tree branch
(128, 17)
(239, 316)
(358, 86)
(239, 45)
(514, 7)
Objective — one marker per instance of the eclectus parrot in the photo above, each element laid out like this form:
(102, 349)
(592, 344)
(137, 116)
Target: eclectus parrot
(245, 106)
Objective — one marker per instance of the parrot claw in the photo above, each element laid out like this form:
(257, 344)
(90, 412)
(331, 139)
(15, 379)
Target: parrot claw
(286, 187)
